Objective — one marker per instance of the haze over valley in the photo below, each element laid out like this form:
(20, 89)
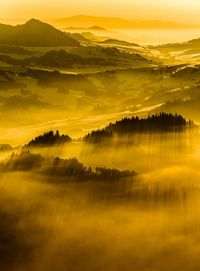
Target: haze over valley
(99, 138)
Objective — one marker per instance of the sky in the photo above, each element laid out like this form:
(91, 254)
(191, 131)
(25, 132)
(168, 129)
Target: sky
(173, 10)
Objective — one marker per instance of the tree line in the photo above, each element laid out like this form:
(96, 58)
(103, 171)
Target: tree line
(163, 122)
(71, 168)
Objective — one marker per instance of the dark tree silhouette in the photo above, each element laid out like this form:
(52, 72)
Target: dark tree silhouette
(98, 136)
(158, 122)
(26, 161)
(162, 122)
(48, 139)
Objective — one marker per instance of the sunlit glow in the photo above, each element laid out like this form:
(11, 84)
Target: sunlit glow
(185, 11)
(99, 135)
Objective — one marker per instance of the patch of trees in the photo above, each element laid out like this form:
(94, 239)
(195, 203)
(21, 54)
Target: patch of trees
(98, 136)
(49, 139)
(14, 50)
(162, 122)
(113, 173)
(60, 81)
(56, 59)
(92, 55)
(10, 60)
(119, 42)
(157, 122)
(62, 58)
(7, 81)
(5, 147)
(26, 161)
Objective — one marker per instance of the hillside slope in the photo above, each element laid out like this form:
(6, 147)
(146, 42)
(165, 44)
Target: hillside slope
(35, 33)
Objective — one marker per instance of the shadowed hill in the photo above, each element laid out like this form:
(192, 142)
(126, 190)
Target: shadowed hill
(119, 43)
(91, 55)
(195, 41)
(62, 82)
(7, 49)
(35, 33)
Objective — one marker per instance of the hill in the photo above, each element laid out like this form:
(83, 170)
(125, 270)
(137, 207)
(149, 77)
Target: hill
(97, 28)
(179, 53)
(83, 56)
(115, 42)
(195, 41)
(35, 33)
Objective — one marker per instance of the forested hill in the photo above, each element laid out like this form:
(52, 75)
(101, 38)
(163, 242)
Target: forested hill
(157, 122)
(162, 122)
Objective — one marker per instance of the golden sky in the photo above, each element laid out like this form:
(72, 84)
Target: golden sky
(176, 10)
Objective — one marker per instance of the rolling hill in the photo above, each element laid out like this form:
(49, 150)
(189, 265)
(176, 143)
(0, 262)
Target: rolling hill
(185, 52)
(82, 56)
(195, 41)
(115, 42)
(35, 33)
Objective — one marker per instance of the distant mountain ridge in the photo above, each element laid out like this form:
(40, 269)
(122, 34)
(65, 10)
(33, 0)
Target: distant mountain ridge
(92, 28)
(35, 33)
(109, 22)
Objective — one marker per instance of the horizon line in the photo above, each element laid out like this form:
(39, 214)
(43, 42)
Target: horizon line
(99, 16)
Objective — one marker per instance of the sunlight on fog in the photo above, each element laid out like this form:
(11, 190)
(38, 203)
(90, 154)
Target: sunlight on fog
(99, 136)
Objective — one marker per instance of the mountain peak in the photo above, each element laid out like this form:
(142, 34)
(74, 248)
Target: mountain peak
(36, 33)
(33, 21)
